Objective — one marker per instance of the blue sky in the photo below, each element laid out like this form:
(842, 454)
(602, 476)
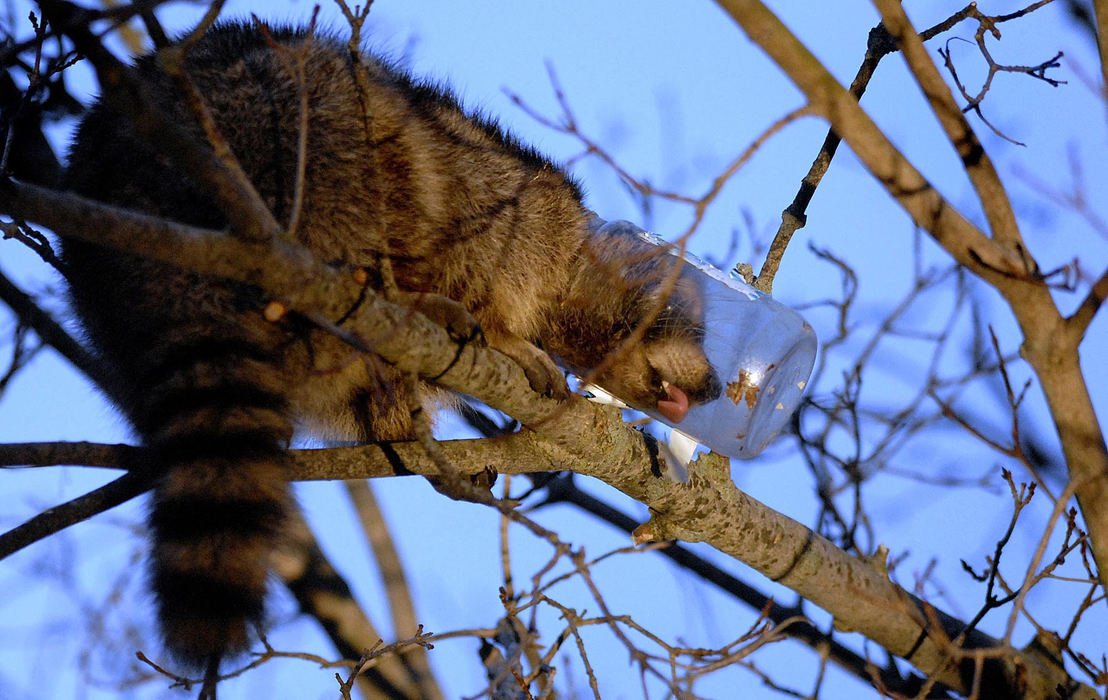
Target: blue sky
(674, 91)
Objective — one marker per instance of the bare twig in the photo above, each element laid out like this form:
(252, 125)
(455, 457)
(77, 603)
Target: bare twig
(987, 23)
(1020, 499)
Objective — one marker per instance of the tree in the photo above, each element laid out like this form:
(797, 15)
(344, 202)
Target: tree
(919, 383)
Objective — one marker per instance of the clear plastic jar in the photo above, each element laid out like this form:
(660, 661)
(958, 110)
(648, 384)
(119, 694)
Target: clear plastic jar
(762, 352)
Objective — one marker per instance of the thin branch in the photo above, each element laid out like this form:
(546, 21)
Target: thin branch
(22, 355)
(1079, 322)
(988, 24)
(569, 125)
(33, 239)
(62, 516)
(295, 60)
(26, 151)
(795, 215)
(1037, 557)
(51, 333)
(1020, 499)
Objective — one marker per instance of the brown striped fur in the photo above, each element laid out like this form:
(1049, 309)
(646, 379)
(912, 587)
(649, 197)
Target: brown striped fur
(215, 390)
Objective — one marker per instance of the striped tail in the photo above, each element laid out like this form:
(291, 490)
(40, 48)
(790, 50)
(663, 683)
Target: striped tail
(216, 422)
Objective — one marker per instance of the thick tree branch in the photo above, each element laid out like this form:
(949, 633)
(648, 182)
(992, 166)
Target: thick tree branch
(1047, 347)
(1051, 351)
(402, 337)
(975, 161)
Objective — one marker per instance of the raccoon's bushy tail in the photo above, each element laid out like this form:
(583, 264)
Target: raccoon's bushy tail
(216, 422)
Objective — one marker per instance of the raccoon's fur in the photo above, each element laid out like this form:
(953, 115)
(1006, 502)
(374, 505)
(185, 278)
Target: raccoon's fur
(215, 390)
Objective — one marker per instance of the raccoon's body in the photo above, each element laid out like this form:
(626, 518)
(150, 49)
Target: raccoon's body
(215, 390)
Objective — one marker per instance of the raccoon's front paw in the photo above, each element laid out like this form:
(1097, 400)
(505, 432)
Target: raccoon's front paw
(455, 318)
(545, 377)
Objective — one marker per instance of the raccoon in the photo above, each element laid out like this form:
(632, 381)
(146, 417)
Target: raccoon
(395, 169)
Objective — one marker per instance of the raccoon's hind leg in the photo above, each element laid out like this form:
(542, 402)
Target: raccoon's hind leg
(215, 420)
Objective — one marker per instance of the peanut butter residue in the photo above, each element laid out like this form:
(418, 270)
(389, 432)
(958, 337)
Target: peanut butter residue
(743, 389)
